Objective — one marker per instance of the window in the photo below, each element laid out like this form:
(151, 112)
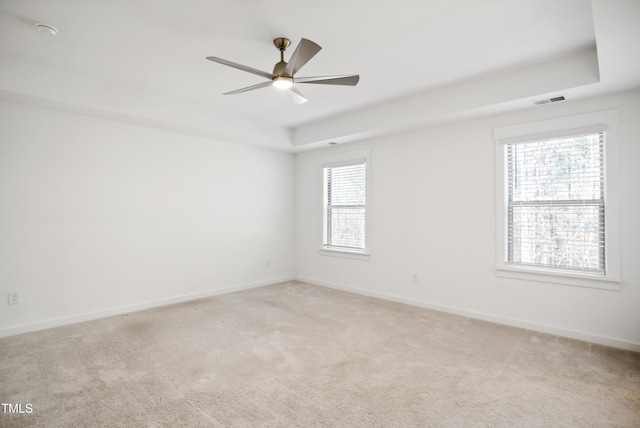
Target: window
(557, 201)
(556, 206)
(345, 206)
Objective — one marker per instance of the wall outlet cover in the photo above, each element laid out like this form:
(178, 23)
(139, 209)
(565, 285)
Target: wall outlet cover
(14, 298)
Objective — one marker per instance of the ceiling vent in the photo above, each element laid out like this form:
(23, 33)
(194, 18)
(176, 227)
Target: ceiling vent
(549, 100)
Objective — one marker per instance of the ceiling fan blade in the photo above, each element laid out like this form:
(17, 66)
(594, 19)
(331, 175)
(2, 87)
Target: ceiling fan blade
(296, 96)
(305, 50)
(249, 88)
(264, 74)
(348, 80)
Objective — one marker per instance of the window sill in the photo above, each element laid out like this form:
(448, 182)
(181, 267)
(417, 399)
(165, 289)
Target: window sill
(578, 280)
(345, 254)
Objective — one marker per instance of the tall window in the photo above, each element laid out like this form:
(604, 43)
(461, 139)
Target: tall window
(555, 193)
(345, 206)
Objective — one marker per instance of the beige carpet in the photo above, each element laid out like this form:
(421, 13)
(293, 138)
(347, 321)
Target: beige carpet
(299, 355)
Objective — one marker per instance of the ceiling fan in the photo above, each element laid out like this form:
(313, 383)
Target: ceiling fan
(283, 75)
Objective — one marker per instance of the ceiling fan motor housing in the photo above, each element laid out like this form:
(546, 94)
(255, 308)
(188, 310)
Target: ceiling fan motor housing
(278, 70)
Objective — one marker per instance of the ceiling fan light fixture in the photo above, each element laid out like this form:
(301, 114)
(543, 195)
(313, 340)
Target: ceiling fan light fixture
(283, 82)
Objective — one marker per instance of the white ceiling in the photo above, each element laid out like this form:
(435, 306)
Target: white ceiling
(144, 61)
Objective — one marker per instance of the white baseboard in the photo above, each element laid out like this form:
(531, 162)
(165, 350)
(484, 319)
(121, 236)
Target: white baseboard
(73, 319)
(557, 331)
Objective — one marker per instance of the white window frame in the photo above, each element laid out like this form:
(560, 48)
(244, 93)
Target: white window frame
(344, 159)
(604, 121)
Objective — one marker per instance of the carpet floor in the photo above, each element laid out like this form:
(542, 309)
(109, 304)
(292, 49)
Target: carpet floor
(294, 354)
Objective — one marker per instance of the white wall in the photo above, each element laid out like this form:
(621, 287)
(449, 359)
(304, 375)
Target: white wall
(433, 213)
(99, 217)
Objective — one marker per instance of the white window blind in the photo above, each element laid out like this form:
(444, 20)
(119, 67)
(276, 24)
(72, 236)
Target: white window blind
(556, 203)
(344, 206)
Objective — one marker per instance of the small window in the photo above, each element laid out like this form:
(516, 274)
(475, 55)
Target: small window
(345, 209)
(556, 205)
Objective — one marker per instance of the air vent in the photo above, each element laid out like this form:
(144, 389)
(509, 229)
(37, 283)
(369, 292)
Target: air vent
(540, 102)
(549, 100)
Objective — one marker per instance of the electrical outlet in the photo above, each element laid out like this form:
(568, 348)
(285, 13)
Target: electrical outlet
(414, 278)
(14, 298)
(267, 264)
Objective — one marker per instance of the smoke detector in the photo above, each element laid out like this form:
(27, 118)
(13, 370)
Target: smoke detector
(47, 29)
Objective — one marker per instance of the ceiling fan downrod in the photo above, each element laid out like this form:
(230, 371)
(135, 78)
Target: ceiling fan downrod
(282, 44)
